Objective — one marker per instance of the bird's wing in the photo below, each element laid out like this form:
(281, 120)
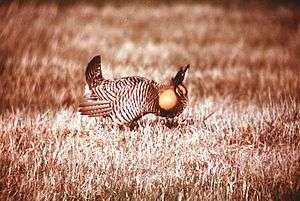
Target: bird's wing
(107, 96)
(127, 108)
(106, 90)
(111, 90)
(135, 101)
(93, 106)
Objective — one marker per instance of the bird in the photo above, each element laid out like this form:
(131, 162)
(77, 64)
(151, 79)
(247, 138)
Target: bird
(125, 100)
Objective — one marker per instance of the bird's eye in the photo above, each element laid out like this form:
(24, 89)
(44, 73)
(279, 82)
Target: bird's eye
(180, 90)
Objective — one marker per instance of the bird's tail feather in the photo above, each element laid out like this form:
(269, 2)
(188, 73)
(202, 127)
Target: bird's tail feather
(95, 108)
(93, 72)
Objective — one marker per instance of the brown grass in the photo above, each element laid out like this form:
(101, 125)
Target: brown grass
(238, 140)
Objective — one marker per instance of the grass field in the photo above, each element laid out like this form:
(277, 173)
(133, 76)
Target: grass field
(239, 138)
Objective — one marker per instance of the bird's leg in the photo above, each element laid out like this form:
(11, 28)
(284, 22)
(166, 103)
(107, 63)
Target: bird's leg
(129, 126)
(133, 125)
(171, 123)
(122, 127)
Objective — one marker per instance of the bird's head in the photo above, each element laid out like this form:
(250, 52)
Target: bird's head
(171, 96)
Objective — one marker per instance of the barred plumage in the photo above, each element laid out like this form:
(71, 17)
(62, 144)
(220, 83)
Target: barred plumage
(127, 99)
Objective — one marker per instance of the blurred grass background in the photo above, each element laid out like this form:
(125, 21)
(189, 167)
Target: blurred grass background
(238, 53)
(222, 3)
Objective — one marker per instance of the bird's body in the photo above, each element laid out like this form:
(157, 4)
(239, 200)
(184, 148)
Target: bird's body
(127, 99)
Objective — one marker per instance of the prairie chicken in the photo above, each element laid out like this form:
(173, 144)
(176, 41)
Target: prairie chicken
(127, 99)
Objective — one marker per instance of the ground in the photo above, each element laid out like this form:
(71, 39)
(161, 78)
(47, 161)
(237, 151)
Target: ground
(237, 140)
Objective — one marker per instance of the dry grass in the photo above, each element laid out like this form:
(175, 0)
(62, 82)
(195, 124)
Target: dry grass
(238, 140)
